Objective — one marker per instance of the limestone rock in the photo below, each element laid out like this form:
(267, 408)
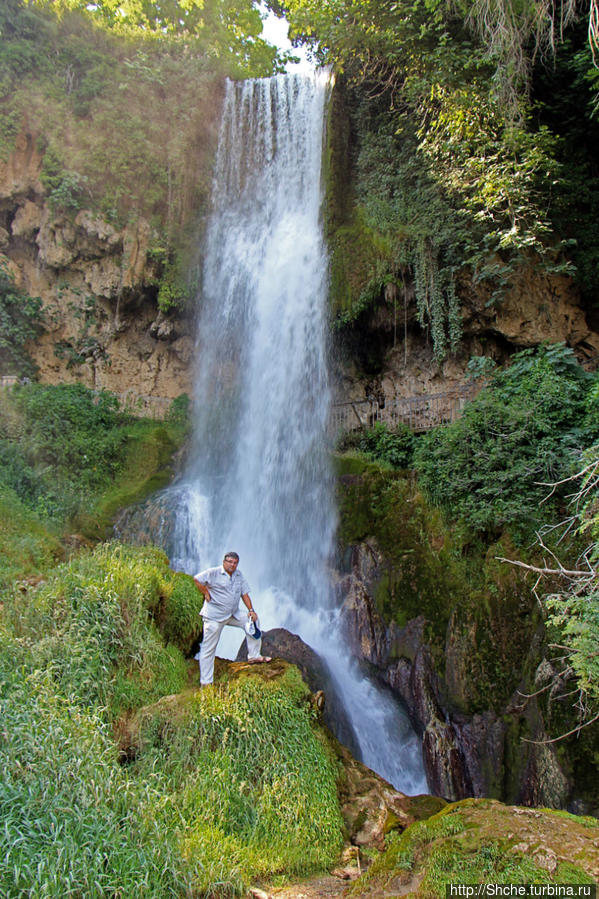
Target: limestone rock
(371, 807)
(19, 175)
(56, 240)
(163, 328)
(98, 232)
(27, 220)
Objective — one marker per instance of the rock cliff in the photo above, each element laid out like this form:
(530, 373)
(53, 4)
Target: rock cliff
(98, 284)
(468, 662)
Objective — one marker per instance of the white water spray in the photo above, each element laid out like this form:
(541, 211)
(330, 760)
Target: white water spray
(260, 480)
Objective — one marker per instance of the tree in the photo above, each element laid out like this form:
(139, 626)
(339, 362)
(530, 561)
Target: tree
(223, 29)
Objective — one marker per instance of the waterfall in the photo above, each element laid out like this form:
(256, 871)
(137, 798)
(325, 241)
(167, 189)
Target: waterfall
(259, 480)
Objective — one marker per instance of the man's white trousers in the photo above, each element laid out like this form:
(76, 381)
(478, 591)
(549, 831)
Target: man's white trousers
(212, 631)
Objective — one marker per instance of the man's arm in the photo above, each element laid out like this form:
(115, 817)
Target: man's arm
(248, 604)
(203, 588)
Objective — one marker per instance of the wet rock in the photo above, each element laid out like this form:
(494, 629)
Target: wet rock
(477, 755)
(444, 761)
(371, 807)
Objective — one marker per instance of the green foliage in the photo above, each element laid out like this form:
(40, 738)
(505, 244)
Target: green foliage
(20, 322)
(493, 467)
(173, 292)
(74, 822)
(574, 610)
(223, 29)
(28, 546)
(64, 444)
(381, 443)
(418, 574)
(179, 613)
(572, 82)
(90, 629)
(137, 90)
(454, 163)
(64, 188)
(70, 454)
(179, 411)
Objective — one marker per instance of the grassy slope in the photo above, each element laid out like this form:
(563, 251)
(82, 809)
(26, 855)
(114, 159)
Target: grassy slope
(226, 786)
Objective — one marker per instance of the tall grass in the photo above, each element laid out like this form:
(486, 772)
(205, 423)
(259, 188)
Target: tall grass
(73, 822)
(248, 771)
(229, 785)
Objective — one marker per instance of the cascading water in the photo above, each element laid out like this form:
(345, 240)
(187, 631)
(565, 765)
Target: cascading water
(259, 480)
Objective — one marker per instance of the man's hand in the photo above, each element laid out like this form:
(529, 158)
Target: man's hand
(253, 615)
(203, 590)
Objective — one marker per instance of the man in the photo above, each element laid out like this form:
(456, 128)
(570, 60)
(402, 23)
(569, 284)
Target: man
(222, 588)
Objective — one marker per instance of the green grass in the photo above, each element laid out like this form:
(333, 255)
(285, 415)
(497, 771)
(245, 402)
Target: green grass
(91, 626)
(28, 545)
(73, 822)
(227, 785)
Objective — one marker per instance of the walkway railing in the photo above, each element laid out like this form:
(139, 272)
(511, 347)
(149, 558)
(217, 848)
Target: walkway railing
(419, 413)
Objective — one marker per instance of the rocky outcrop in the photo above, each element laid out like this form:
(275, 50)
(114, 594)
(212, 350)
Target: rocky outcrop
(537, 307)
(98, 284)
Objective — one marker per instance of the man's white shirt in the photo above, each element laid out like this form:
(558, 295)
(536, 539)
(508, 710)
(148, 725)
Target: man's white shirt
(225, 592)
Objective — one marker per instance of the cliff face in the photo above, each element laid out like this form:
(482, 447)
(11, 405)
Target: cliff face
(386, 352)
(462, 644)
(98, 285)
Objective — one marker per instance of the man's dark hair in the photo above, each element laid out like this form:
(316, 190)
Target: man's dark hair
(231, 556)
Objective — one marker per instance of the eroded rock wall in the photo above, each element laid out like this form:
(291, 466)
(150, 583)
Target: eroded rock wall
(98, 284)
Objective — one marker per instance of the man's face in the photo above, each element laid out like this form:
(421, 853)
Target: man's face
(230, 564)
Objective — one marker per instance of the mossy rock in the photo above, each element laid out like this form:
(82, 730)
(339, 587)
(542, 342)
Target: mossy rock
(483, 841)
(147, 468)
(419, 575)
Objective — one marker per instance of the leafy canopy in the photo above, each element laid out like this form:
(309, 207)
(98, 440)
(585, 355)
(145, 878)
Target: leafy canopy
(223, 29)
(455, 167)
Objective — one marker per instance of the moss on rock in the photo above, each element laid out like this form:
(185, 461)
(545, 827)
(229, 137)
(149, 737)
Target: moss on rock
(482, 841)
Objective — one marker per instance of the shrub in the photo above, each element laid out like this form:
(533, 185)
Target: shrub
(71, 455)
(28, 546)
(381, 443)
(494, 466)
(20, 322)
